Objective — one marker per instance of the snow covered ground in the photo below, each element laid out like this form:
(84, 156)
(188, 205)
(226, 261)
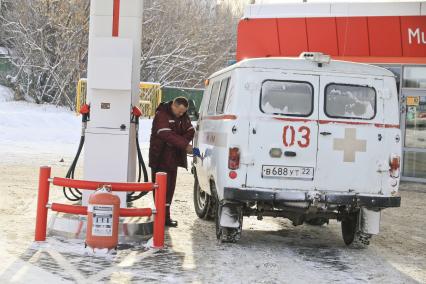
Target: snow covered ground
(43, 129)
(270, 251)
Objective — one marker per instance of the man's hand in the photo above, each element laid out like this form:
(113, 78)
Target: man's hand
(189, 149)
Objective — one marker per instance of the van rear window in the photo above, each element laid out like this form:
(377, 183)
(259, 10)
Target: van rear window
(213, 97)
(287, 98)
(350, 101)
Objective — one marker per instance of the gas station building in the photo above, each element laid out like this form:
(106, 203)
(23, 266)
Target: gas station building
(391, 35)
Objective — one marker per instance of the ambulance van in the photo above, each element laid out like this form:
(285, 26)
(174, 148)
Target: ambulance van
(309, 139)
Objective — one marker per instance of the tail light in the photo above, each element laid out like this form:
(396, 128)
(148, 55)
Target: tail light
(394, 164)
(234, 158)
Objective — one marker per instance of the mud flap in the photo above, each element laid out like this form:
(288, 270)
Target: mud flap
(231, 215)
(369, 222)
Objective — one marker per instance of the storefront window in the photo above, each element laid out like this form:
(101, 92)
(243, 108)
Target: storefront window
(415, 122)
(415, 77)
(415, 164)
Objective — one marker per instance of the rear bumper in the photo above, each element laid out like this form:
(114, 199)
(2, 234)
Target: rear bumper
(331, 198)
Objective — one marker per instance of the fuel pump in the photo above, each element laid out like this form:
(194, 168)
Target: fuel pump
(110, 122)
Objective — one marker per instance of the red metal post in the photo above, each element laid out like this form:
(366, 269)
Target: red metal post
(43, 199)
(116, 18)
(160, 205)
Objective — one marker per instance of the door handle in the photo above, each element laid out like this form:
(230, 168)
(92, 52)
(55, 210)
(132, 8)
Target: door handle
(325, 133)
(290, 154)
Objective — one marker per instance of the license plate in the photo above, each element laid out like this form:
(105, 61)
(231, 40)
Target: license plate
(287, 172)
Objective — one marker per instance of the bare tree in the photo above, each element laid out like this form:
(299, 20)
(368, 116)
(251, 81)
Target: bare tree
(183, 42)
(49, 47)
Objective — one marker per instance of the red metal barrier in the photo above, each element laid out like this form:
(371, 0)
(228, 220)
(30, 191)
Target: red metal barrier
(70, 209)
(82, 210)
(93, 185)
(135, 212)
(160, 204)
(43, 200)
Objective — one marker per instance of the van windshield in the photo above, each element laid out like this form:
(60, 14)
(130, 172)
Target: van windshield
(287, 98)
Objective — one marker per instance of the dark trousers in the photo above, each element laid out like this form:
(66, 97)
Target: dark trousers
(171, 185)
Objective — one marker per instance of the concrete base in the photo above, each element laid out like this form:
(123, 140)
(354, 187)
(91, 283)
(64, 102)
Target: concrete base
(73, 226)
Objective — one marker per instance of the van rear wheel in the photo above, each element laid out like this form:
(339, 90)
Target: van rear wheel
(202, 201)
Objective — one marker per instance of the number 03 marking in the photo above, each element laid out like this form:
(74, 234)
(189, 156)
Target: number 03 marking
(290, 131)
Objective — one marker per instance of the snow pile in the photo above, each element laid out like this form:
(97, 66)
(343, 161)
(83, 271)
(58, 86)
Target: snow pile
(145, 126)
(28, 128)
(4, 51)
(6, 94)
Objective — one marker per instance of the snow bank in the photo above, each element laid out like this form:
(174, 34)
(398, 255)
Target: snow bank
(6, 94)
(37, 127)
(28, 128)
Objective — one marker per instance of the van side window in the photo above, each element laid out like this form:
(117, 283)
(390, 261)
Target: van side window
(213, 97)
(222, 95)
(287, 98)
(350, 101)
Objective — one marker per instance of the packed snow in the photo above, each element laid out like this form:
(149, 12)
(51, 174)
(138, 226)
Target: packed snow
(27, 128)
(6, 94)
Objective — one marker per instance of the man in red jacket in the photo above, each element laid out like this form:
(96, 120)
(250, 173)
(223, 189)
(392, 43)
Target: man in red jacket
(171, 135)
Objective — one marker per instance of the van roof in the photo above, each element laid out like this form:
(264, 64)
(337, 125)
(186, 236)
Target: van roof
(301, 64)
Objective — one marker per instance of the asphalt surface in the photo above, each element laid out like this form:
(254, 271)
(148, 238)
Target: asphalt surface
(270, 251)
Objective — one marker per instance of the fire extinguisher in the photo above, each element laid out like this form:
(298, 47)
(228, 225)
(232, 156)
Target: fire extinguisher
(102, 219)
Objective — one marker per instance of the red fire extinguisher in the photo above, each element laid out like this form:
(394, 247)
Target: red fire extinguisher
(102, 219)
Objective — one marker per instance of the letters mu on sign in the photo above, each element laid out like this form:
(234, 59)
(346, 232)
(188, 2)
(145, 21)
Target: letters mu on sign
(416, 36)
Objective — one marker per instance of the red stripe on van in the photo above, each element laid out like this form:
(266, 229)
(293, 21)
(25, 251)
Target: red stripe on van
(378, 125)
(344, 122)
(294, 119)
(221, 117)
(386, 125)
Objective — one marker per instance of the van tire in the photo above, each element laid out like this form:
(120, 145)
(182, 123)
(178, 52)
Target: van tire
(351, 236)
(202, 201)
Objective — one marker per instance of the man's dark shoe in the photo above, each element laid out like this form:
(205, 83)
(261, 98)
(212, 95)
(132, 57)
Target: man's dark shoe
(171, 223)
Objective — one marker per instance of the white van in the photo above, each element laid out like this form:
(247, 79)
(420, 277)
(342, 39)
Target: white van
(309, 139)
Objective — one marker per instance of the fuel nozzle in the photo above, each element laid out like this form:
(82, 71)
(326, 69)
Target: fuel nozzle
(196, 152)
(85, 117)
(85, 112)
(136, 114)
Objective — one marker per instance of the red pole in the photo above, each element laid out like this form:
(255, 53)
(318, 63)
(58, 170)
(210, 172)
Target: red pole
(43, 199)
(160, 205)
(116, 18)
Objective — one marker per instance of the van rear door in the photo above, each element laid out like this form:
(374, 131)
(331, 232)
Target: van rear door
(350, 146)
(283, 131)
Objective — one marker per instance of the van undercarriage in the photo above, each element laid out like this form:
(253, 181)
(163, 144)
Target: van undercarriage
(311, 197)
(359, 213)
